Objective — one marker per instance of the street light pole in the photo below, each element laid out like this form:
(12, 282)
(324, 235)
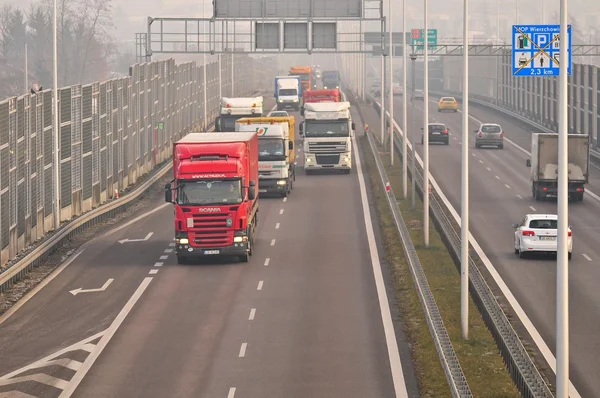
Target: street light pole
(382, 98)
(205, 121)
(413, 58)
(391, 85)
(562, 263)
(56, 131)
(464, 211)
(404, 106)
(426, 128)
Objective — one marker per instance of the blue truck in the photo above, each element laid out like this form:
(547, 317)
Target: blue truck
(331, 79)
(288, 92)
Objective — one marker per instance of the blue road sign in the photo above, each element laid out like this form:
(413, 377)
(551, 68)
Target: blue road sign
(536, 50)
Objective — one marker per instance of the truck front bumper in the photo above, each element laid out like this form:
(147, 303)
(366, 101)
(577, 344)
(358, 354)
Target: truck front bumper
(333, 161)
(272, 185)
(236, 249)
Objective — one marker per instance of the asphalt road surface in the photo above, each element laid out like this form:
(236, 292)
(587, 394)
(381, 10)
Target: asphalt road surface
(301, 319)
(500, 195)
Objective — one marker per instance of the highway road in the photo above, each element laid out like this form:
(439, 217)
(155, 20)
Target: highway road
(500, 195)
(303, 318)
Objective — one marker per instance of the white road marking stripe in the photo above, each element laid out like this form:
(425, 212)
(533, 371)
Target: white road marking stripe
(532, 208)
(519, 196)
(168, 250)
(172, 244)
(281, 211)
(243, 350)
(488, 169)
(159, 264)
(277, 226)
(272, 242)
(473, 153)
(507, 186)
(252, 313)
(163, 257)
(231, 393)
(153, 272)
(267, 260)
(497, 178)
(260, 285)
(480, 161)
(285, 199)
(587, 257)
(40, 378)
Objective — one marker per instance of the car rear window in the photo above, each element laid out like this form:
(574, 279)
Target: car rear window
(436, 127)
(543, 224)
(490, 129)
(448, 99)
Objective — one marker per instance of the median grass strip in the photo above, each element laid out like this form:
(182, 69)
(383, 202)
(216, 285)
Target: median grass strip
(479, 357)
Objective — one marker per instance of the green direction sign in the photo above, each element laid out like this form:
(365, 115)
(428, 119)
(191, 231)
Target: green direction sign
(160, 125)
(419, 34)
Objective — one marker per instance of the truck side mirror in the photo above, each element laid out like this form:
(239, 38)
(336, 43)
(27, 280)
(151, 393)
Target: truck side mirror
(291, 145)
(252, 183)
(168, 193)
(528, 162)
(217, 122)
(301, 129)
(353, 126)
(251, 193)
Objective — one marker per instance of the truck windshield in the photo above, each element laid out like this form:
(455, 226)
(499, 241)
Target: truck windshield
(334, 128)
(200, 193)
(228, 121)
(288, 91)
(271, 149)
(302, 76)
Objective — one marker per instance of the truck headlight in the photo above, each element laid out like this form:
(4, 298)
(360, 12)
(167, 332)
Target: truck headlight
(238, 239)
(281, 182)
(295, 100)
(346, 159)
(183, 241)
(229, 222)
(280, 100)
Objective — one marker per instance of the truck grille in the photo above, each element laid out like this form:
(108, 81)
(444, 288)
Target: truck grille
(210, 230)
(267, 173)
(329, 147)
(328, 159)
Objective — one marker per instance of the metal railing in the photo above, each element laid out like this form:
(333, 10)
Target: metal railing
(448, 359)
(519, 363)
(113, 134)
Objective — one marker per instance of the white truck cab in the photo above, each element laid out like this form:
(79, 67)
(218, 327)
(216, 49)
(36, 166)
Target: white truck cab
(327, 130)
(233, 109)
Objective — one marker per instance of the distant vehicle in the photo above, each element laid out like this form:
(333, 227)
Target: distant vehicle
(537, 233)
(398, 89)
(438, 132)
(489, 134)
(419, 94)
(447, 104)
(288, 92)
(233, 109)
(331, 79)
(329, 95)
(544, 165)
(278, 113)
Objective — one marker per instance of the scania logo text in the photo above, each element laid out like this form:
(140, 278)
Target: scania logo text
(209, 210)
(208, 176)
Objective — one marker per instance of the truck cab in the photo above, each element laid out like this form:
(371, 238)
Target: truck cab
(287, 92)
(331, 95)
(327, 130)
(331, 79)
(233, 109)
(306, 75)
(215, 179)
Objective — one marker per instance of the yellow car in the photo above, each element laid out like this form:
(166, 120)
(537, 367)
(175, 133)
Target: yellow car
(448, 104)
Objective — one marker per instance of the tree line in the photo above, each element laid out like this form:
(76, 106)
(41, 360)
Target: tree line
(86, 48)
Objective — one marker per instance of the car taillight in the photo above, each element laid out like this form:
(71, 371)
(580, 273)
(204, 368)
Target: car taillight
(444, 131)
(480, 134)
(501, 134)
(569, 233)
(528, 233)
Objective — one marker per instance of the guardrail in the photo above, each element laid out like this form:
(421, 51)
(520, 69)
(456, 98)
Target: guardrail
(106, 211)
(595, 154)
(448, 359)
(520, 365)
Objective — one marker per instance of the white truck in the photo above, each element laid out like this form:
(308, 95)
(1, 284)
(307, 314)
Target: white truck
(327, 130)
(276, 169)
(544, 165)
(287, 92)
(233, 109)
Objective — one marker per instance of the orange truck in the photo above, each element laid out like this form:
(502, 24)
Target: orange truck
(305, 73)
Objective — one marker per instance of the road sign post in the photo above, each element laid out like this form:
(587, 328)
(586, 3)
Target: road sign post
(536, 50)
(418, 36)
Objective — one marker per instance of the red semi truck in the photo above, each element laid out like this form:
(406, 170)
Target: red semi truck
(331, 95)
(214, 191)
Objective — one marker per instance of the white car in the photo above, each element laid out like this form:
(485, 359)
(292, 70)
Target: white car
(537, 233)
(279, 114)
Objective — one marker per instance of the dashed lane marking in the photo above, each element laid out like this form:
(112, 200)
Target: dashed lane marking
(252, 314)
(260, 285)
(153, 272)
(168, 250)
(532, 208)
(497, 178)
(164, 257)
(285, 199)
(519, 196)
(267, 261)
(243, 350)
(158, 264)
(281, 211)
(172, 244)
(507, 186)
(587, 257)
(277, 226)
(488, 169)
(480, 161)
(473, 153)
(272, 242)
(231, 392)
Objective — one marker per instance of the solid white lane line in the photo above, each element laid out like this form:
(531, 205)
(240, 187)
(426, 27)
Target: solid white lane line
(587, 257)
(281, 211)
(110, 332)
(384, 303)
(168, 250)
(252, 313)
(163, 257)
(285, 199)
(488, 169)
(507, 186)
(532, 208)
(159, 264)
(153, 272)
(243, 350)
(260, 285)
(519, 196)
(277, 226)
(267, 260)
(272, 242)
(231, 392)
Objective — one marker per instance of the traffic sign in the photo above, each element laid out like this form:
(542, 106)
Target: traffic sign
(160, 125)
(419, 34)
(536, 50)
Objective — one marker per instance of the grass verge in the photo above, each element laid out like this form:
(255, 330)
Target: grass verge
(479, 357)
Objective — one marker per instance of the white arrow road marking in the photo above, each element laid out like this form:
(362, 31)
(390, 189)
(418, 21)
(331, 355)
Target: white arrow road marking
(103, 288)
(136, 240)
